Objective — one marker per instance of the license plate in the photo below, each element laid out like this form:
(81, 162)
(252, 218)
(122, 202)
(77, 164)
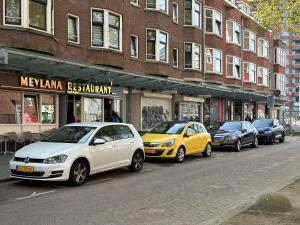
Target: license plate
(26, 169)
(150, 151)
(216, 143)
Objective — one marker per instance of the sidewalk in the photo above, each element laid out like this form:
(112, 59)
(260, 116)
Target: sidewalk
(254, 216)
(4, 168)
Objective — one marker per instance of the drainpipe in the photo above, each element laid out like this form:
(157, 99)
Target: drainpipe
(242, 61)
(203, 57)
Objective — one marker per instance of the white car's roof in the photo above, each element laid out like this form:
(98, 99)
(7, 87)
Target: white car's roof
(94, 124)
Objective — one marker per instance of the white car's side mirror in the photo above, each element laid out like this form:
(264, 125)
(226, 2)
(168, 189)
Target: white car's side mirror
(99, 141)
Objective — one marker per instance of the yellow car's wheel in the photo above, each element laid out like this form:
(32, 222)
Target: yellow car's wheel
(180, 155)
(207, 151)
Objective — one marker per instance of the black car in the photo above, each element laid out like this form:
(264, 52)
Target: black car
(269, 130)
(234, 134)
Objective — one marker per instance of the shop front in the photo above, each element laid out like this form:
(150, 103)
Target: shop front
(261, 110)
(28, 103)
(249, 109)
(190, 108)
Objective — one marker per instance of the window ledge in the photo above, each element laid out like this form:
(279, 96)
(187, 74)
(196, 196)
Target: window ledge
(249, 82)
(192, 26)
(192, 70)
(157, 10)
(250, 51)
(74, 44)
(233, 43)
(213, 34)
(156, 62)
(135, 58)
(213, 73)
(34, 31)
(105, 49)
(262, 85)
(233, 78)
(263, 57)
(135, 5)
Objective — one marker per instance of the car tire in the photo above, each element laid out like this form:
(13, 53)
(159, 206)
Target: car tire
(207, 151)
(282, 139)
(238, 145)
(272, 140)
(78, 173)
(137, 161)
(255, 143)
(180, 155)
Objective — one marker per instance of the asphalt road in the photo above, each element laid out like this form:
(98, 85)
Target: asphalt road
(198, 191)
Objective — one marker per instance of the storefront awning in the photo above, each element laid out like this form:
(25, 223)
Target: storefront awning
(52, 67)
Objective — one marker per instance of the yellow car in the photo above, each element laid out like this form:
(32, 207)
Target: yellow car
(175, 140)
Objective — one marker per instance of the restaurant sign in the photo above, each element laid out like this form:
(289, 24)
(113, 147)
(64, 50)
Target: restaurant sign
(83, 88)
(32, 82)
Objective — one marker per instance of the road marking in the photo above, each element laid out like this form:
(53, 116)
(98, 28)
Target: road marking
(98, 181)
(145, 170)
(34, 194)
(219, 155)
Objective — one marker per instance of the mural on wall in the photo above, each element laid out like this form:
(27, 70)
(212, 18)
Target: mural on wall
(152, 115)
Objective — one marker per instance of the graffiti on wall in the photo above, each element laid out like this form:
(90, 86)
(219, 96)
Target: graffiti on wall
(152, 115)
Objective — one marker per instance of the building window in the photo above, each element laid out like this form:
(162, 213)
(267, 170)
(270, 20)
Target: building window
(249, 41)
(106, 29)
(73, 29)
(97, 28)
(233, 32)
(250, 72)
(157, 45)
(213, 22)
(35, 14)
(192, 56)
(213, 63)
(175, 58)
(280, 56)
(263, 76)
(134, 46)
(11, 107)
(192, 13)
(263, 48)
(233, 67)
(175, 12)
(134, 2)
(245, 8)
(161, 5)
(13, 14)
(280, 82)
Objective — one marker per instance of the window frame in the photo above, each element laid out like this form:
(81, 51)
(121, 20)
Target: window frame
(261, 73)
(137, 46)
(106, 44)
(261, 46)
(136, 3)
(177, 57)
(175, 20)
(193, 11)
(157, 6)
(235, 25)
(77, 28)
(280, 56)
(193, 56)
(25, 17)
(214, 12)
(255, 70)
(233, 65)
(157, 45)
(249, 40)
(213, 61)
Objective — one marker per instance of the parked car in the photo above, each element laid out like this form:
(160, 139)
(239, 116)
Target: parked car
(269, 130)
(75, 151)
(234, 134)
(175, 140)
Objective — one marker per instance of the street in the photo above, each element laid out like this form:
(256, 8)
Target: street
(198, 191)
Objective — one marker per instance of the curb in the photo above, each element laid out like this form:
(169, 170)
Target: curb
(237, 210)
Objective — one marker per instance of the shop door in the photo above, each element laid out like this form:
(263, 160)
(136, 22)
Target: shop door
(70, 112)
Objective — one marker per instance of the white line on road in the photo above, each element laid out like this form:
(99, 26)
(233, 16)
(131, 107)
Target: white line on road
(34, 194)
(98, 181)
(219, 155)
(145, 170)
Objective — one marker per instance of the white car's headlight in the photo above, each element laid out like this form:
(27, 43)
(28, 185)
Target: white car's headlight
(169, 143)
(56, 159)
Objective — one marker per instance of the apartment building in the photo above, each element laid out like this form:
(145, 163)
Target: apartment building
(148, 60)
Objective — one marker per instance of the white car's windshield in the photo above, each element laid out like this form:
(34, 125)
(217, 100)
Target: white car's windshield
(70, 134)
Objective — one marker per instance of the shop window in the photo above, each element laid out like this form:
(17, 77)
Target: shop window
(233, 67)
(233, 32)
(213, 22)
(106, 29)
(48, 109)
(10, 110)
(249, 41)
(192, 13)
(157, 45)
(73, 29)
(35, 14)
(134, 46)
(192, 56)
(93, 111)
(31, 109)
(13, 14)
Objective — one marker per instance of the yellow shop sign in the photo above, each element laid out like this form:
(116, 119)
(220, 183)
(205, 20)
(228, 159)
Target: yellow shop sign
(82, 88)
(32, 82)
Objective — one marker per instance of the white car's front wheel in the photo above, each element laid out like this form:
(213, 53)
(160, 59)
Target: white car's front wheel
(78, 172)
(137, 161)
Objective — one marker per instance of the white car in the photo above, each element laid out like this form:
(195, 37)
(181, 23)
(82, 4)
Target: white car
(75, 151)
